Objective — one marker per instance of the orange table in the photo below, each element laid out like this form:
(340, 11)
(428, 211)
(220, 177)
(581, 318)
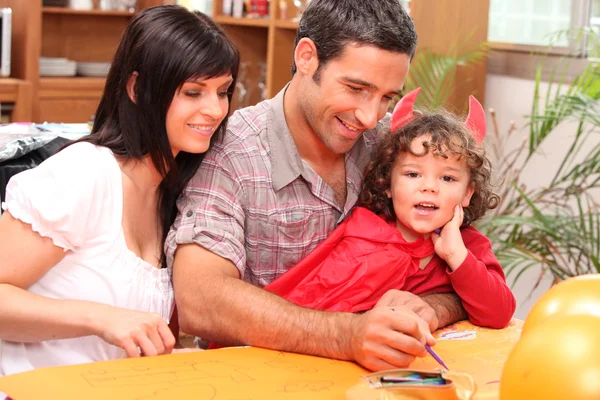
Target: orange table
(478, 351)
(253, 373)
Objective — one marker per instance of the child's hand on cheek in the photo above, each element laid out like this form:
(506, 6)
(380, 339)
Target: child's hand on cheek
(448, 244)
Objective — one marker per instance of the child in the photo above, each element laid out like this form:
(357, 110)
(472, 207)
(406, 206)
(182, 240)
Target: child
(428, 183)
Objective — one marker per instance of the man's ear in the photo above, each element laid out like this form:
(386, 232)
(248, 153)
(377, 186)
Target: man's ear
(131, 86)
(305, 56)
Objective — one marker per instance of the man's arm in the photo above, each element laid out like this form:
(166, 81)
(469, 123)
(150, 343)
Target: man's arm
(447, 306)
(214, 304)
(436, 309)
(217, 306)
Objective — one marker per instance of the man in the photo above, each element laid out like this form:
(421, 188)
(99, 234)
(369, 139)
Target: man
(286, 173)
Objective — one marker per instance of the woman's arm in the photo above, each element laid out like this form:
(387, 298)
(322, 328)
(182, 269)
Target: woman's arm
(28, 317)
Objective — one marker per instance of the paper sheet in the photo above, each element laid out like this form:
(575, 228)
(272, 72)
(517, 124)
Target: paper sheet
(230, 373)
(253, 373)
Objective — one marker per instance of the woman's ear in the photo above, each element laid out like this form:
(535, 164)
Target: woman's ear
(305, 57)
(131, 86)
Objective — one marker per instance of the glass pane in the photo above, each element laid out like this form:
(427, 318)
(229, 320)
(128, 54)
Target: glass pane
(594, 45)
(406, 5)
(531, 22)
(595, 21)
(204, 6)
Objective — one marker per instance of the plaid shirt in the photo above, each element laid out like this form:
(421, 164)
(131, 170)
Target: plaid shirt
(255, 202)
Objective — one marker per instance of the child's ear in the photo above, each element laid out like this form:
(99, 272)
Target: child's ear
(467, 199)
(389, 193)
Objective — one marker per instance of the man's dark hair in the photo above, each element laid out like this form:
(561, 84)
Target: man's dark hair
(333, 24)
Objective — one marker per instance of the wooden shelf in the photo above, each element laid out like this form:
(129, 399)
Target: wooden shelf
(81, 35)
(9, 87)
(68, 99)
(93, 36)
(19, 93)
(70, 87)
(95, 13)
(256, 22)
(286, 24)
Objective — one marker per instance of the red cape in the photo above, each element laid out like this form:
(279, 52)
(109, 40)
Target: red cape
(363, 258)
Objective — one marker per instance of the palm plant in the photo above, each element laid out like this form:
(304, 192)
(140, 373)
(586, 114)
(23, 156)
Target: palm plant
(555, 226)
(435, 73)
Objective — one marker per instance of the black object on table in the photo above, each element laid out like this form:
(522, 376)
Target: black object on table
(11, 167)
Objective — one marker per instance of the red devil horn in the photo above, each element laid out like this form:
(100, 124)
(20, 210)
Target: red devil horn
(403, 112)
(476, 119)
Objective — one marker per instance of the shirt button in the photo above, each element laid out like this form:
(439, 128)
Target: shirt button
(189, 213)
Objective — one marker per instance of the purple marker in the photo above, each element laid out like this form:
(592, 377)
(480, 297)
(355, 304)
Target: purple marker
(430, 351)
(437, 358)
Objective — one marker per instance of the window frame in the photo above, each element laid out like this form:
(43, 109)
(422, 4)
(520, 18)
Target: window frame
(522, 60)
(581, 11)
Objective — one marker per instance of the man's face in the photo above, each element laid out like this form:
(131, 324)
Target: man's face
(352, 93)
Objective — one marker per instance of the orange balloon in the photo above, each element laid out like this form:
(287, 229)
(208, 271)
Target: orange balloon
(578, 295)
(557, 360)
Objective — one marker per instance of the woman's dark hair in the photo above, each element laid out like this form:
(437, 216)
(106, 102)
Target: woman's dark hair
(165, 46)
(448, 137)
(334, 24)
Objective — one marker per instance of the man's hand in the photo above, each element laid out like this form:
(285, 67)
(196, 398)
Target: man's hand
(388, 337)
(395, 298)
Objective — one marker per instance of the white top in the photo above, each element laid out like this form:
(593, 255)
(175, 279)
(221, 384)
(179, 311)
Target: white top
(76, 198)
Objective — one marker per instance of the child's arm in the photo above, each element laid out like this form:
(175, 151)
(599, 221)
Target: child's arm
(475, 273)
(481, 284)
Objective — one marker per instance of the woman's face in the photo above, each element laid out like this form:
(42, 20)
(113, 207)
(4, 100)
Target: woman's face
(198, 108)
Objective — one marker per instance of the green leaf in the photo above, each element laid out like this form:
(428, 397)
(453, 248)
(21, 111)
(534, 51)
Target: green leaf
(435, 73)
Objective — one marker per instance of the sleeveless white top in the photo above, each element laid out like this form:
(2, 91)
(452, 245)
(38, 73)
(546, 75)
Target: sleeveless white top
(76, 198)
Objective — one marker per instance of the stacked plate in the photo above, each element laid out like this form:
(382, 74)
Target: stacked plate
(55, 66)
(93, 68)
(55, 3)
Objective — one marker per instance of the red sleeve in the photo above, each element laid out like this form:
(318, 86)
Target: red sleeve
(481, 284)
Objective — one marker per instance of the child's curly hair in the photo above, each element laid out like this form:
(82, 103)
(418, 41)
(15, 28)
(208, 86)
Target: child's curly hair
(449, 136)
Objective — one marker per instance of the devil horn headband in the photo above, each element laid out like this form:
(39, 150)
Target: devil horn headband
(403, 113)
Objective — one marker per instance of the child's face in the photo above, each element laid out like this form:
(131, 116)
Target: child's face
(425, 190)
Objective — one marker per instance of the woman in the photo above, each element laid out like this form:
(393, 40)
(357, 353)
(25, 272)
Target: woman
(82, 275)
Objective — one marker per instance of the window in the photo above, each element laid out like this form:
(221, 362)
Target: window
(595, 20)
(527, 24)
(594, 45)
